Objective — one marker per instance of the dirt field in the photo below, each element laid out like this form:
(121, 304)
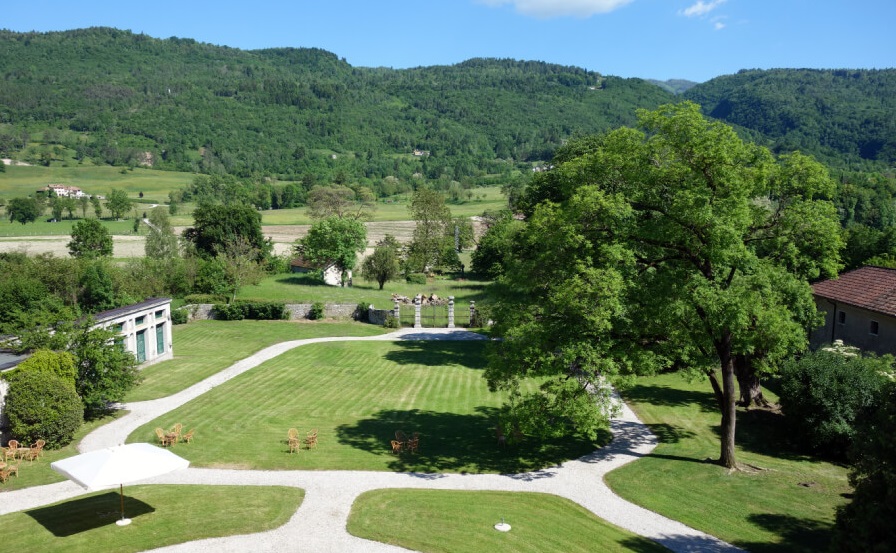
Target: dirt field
(283, 237)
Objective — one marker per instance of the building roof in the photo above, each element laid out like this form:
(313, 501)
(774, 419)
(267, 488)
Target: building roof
(871, 288)
(128, 309)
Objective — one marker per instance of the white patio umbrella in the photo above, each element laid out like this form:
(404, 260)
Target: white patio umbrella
(117, 466)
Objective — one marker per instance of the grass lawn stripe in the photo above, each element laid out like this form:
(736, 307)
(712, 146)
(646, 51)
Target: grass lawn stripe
(357, 405)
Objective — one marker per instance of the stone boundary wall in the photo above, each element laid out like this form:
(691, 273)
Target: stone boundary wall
(297, 311)
(378, 316)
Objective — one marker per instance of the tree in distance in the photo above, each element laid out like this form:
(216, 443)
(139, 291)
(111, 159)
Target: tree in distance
(23, 210)
(384, 263)
(215, 225)
(161, 242)
(675, 246)
(340, 201)
(334, 240)
(118, 203)
(433, 233)
(90, 239)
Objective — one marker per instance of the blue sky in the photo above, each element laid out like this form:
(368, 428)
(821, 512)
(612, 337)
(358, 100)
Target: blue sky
(690, 39)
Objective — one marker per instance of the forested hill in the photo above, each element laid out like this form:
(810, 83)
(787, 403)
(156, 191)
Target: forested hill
(843, 117)
(113, 96)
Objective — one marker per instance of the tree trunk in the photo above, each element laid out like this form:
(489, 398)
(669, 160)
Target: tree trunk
(748, 382)
(728, 406)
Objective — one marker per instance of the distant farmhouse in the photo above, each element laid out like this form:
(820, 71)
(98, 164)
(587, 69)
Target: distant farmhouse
(64, 190)
(859, 308)
(330, 272)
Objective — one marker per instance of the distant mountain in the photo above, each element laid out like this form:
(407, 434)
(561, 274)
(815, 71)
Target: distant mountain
(109, 96)
(116, 97)
(675, 86)
(845, 117)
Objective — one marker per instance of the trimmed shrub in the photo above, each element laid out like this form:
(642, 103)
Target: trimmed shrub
(179, 316)
(42, 405)
(204, 298)
(391, 321)
(362, 312)
(259, 311)
(317, 311)
(823, 392)
(416, 278)
(60, 363)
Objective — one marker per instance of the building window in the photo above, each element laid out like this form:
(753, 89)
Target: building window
(160, 313)
(140, 320)
(841, 317)
(119, 327)
(873, 328)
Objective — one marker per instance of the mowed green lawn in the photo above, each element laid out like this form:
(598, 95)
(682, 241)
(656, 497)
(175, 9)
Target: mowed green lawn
(357, 394)
(203, 348)
(161, 515)
(784, 502)
(451, 521)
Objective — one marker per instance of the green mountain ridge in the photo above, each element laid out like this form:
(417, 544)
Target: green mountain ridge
(108, 96)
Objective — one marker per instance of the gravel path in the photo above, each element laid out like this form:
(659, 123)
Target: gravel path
(319, 523)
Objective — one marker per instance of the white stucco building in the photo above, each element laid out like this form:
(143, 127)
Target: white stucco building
(145, 329)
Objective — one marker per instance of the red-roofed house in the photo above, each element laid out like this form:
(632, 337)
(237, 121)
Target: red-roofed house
(860, 309)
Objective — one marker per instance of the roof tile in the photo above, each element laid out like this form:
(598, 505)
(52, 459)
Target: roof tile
(872, 288)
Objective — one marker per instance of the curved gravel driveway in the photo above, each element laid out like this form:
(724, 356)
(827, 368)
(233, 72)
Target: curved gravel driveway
(319, 524)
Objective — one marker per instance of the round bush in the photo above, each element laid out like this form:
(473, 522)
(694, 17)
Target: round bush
(42, 405)
(317, 311)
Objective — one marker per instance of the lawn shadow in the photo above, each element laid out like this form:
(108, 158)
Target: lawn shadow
(87, 513)
(452, 442)
(437, 353)
(765, 432)
(795, 534)
(670, 397)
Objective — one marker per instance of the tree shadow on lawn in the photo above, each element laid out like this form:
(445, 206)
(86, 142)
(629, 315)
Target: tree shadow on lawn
(670, 397)
(766, 432)
(470, 354)
(88, 513)
(452, 442)
(795, 534)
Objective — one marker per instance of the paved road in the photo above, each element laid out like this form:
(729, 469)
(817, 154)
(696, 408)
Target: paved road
(319, 524)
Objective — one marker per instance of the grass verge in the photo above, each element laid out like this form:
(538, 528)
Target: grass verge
(440, 521)
(203, 348)
(784, 502)
(162, 515)
(357, 394)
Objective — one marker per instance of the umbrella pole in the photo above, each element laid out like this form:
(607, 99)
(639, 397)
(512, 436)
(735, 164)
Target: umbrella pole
(123, 521)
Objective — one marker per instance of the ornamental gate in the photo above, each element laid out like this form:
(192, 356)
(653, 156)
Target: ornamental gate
(432, 315)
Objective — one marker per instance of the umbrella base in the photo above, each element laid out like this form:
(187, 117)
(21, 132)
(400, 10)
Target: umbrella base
(123, 521)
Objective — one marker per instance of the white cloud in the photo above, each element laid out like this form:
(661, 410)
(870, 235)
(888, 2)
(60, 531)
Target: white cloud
(701, 8)
(545, 9)
(718, 25)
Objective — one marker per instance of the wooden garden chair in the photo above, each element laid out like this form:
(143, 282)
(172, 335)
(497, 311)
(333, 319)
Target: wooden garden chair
(11, 451)
(311, 439)
(414, 442)
(4, 474)
(294, 445)
(163, 438)
(396, 447)
(292, 434)
(33, 453)
(188, 437)
(40, 446)
(175, 432)
(12, 468)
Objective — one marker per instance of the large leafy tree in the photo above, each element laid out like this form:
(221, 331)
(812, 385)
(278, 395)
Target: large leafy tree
(106, 371)
(118, 203)
(217, 225)
(677, 245)
(334, 240)
(384, 263)
(90, 239)
(433, 233)
(23, 210)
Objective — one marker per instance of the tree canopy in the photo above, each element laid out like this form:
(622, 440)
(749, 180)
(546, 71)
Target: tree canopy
(676, 245)
(90, 239)
(216, 225)
(334, 240)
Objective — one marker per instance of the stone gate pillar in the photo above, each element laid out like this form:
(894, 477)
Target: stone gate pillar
(396, 311)
(450, 311)
(472, 312)
(417, 306)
